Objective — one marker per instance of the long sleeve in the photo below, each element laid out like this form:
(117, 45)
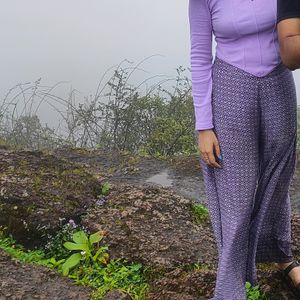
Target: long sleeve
(201, 62)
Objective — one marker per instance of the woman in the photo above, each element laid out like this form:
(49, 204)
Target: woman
(245, 112)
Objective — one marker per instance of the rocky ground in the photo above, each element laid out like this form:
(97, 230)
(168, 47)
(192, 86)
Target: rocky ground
(182, 173)
(24, 281)
(144, 221)
(39, 190)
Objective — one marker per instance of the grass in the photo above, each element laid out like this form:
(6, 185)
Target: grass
(117, 274)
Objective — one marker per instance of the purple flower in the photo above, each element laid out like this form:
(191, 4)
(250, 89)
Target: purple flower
(72, 223)
(101, 201)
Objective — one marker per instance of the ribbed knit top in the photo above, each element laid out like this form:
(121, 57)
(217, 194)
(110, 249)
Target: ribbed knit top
(246, 37)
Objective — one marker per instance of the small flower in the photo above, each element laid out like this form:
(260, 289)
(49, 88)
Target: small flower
(82, 253)
(25, 194)
(2, 192)
(101, 200)
(72, 223)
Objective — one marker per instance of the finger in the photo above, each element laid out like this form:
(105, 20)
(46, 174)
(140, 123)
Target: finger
(212, 160)
(203, 154)
(217, 148)
(204, 157)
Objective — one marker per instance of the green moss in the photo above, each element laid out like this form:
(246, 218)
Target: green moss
(30, 208)
(37, 183)
(75, 171)
(155, 272)
(195, 267)
(266, 266)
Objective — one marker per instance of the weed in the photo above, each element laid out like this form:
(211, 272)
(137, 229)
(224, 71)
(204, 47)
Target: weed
(93, 269)
(253, 292)
(200, 212)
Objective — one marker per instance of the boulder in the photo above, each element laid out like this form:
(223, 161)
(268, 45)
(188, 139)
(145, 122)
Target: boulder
(152, 225)
(40, 191)
(24, 281)
(116, 295)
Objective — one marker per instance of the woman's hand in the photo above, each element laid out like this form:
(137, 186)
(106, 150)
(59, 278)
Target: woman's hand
(207, 143)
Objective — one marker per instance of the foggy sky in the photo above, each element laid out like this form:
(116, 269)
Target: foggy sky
(78, 40)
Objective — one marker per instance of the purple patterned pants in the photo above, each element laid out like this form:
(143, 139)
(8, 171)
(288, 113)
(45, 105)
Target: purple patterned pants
(255, 122)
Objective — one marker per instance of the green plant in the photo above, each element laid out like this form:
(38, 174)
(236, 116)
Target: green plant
(9, 245)
(53, 263)
(117, 274)
(55, 247)
(85, 250)
(200, 212)
(105, 188)
(253, 292)
(128, 277)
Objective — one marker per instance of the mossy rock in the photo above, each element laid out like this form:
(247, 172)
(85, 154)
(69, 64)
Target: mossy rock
(153, 226)
(40, 191)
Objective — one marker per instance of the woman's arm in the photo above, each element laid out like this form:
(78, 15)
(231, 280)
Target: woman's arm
(201, 69)
(288, 18)
(201, 62)
(289, 41)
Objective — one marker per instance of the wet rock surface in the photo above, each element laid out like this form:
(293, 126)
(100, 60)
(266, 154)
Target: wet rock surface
(183, 171)
(24, 281)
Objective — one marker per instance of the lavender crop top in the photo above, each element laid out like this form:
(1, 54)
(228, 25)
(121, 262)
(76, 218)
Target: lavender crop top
(246, 37)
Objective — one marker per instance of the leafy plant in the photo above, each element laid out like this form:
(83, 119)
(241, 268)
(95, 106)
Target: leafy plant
(128, 277)
(86, 250)
(55, 247)
(53, 263)
(105, 188)
(117, 274)
(9, 245)
(253, 292)
(200, 212)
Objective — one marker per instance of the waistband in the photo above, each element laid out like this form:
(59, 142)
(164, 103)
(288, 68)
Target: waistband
(277, 70)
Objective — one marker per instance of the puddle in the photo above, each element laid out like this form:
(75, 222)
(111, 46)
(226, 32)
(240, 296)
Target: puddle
(161, 178)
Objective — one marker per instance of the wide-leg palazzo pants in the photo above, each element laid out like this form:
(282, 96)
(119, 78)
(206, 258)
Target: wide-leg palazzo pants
(255, 122)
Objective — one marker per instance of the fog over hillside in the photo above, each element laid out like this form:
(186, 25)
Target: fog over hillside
(76, 41)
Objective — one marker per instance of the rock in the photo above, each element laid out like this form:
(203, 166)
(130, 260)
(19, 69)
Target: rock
(39, 191)
(116, 295)
(151, 225)
(154, 226)
(24, 281)
(200, 284)
(183, 285)
(296, 235)
(272, 284)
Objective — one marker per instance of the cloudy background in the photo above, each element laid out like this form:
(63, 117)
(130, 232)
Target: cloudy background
(78, 40)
